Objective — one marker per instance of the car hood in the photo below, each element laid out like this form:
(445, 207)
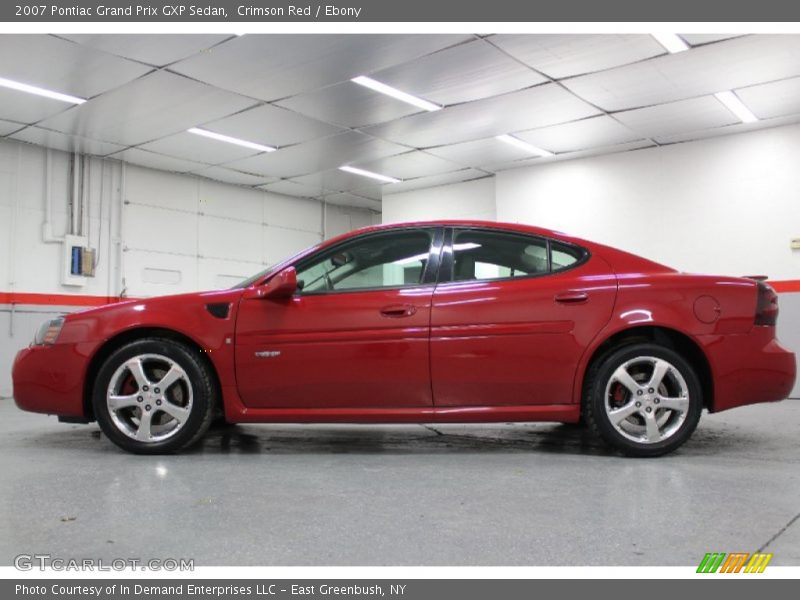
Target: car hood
(174, 301)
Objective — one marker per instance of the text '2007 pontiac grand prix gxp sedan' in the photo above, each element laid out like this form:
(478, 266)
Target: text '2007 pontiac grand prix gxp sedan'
(423, 322)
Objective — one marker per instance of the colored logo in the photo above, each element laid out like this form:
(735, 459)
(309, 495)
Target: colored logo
(735, 562)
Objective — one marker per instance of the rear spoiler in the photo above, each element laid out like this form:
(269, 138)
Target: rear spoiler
(756, 277)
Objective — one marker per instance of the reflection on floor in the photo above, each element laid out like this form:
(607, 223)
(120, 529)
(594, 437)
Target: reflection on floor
(529, 494)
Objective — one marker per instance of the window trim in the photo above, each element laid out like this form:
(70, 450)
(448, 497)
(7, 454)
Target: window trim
(429, 275)
(447, 268)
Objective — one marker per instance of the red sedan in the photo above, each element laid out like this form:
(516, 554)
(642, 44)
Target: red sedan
(423, 322)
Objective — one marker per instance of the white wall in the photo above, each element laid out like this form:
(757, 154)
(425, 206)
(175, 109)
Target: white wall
(469, 200)
(728, 205)
(155, 232)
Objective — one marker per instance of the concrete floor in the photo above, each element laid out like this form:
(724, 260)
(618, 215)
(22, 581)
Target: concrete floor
(537, 494)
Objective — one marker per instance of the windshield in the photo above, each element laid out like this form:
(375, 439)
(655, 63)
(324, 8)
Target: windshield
(252, 279)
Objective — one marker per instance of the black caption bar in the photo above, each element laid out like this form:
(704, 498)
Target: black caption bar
(375, 589)
(402, 11)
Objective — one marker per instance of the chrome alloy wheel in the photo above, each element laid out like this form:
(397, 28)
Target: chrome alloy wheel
(149, 398)
(647, 399)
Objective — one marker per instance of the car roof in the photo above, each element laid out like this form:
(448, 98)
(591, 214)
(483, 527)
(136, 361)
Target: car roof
(519, 227)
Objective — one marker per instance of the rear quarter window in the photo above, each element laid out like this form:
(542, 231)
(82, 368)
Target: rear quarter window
(563, 256)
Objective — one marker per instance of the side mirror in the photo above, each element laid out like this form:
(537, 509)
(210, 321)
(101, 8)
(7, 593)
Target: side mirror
(282, 285)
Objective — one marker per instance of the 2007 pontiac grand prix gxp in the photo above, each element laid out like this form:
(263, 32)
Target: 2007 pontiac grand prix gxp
(423, 322)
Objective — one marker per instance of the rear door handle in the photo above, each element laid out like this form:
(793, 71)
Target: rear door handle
(397, 311)
(571, 297)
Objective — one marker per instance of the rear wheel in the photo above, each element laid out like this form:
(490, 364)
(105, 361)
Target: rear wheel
(644, 399)
(154, 396)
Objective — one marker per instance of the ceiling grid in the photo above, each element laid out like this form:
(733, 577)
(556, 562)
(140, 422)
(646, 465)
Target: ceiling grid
(291, 102)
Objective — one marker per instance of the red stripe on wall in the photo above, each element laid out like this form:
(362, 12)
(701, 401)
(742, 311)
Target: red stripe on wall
(56, 299)
(790, 285)
(786, 286)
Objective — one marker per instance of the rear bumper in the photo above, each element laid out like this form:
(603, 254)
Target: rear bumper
(749, 368)
(49, 379)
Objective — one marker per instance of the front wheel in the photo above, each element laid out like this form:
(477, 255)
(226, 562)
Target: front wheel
(154, 396)
(644, 399)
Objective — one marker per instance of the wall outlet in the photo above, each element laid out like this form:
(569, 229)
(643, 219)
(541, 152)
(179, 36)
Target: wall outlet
(796, 244)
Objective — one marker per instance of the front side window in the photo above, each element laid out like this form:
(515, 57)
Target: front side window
(483, 255)
(391, 259)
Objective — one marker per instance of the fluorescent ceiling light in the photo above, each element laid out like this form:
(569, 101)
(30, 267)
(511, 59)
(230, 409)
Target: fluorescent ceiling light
(395, 93)
(32, 89)
(672, 43)
(518, 143)
(231, 140)
(736, 106)
(370, 174)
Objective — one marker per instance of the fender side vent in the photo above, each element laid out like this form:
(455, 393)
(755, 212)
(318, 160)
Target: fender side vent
(220, 310)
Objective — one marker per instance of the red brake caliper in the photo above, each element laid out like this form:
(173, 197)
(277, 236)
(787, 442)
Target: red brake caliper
(619, 395)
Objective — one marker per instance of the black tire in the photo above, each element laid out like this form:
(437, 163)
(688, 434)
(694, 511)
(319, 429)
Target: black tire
(197, 385)
(601, 376)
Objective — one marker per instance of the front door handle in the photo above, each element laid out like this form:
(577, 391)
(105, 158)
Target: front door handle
(571, 297)
(396, 311)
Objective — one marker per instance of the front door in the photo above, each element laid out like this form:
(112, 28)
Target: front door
(512, 317)
(355, 335)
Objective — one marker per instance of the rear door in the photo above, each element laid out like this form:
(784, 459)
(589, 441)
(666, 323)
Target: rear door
(511, 316)
(355, 335)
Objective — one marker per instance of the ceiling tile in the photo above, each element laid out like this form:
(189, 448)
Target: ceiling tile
(27, 108)
(774, 99)
(272, 126)
(7, 127)
(580, 135)
(290, 188)
(349, 105)
(231, 176)
(698, 39)
(59, 65)
(728, 129)
(149, 108)
(480, 152)
(154, 49)
(334, 180)
(189, 146)
(410, 165)
(677, 117)
(532, 162)
(526, 109)
(288, 65)
(152, 160)
(67, 143)
(318, 155)
(433, 181)
(705, 70)
(566, 55)
(346, 199)
(372, 191)
(460, 74)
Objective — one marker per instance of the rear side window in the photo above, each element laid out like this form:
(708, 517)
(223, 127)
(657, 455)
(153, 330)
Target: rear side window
(485, 255)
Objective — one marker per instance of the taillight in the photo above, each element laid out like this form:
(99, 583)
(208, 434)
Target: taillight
(766, 306)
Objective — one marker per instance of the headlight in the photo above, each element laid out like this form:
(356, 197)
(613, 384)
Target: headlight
(48, 332)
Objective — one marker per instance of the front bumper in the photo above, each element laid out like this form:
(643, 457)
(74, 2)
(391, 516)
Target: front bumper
(49, 379)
